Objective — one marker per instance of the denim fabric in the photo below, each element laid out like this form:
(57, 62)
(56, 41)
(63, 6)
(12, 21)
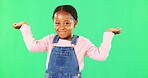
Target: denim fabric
(62, 75)
(63, 62)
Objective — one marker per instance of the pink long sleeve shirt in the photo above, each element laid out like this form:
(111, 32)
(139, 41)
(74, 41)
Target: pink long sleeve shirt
(83, 47)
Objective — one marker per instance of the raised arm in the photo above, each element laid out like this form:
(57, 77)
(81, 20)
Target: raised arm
(32, 44)
(102, 52)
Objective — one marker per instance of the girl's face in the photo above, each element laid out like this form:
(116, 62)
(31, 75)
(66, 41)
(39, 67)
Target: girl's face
(64, 23)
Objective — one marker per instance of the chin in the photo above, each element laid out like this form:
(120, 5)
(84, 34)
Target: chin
(62, 36)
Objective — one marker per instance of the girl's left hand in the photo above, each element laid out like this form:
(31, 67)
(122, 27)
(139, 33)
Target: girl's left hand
(115, 31)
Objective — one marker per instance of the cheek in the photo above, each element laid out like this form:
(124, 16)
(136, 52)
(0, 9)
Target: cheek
(69, 31)
(71, 26)
(55, 29)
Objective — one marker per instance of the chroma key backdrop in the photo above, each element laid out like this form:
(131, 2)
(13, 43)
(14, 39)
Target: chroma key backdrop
(128, 57)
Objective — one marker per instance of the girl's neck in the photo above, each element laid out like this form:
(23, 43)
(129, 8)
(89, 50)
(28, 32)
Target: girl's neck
(69, 38)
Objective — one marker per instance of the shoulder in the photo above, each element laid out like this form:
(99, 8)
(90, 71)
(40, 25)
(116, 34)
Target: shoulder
(84, 43)
(82, 39)
(49, 37)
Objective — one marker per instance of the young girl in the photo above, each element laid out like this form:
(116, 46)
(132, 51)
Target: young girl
(65, 51)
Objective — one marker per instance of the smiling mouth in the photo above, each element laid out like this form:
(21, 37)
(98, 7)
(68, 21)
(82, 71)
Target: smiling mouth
(61, 32)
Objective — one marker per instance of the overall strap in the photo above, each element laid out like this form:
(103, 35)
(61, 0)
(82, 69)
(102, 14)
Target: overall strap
(74, 39)
(56, 39)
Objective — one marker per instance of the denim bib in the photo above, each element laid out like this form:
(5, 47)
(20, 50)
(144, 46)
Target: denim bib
(63, 62)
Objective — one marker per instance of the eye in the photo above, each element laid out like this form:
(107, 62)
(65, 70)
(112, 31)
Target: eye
(57, 23)
(66, 23)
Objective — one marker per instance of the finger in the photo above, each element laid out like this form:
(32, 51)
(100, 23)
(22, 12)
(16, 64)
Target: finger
(118, 28)
(119, 31)
(15, 27)
(14, 24)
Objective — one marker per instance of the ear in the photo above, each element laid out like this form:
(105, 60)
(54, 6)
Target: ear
(76, 21)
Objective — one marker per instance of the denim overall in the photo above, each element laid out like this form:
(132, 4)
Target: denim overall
(63, 62)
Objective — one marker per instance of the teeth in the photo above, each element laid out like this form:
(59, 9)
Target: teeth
(61, 32)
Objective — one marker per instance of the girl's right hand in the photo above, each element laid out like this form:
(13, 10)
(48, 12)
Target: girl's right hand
(19, 25)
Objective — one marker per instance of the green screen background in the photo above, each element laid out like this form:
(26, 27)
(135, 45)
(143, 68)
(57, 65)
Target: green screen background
(128, 56)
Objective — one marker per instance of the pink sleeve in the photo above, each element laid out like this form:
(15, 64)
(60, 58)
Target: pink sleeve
(32, 44)
(102, 52)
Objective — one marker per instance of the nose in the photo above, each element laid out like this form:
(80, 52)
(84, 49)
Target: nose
(62, 26)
